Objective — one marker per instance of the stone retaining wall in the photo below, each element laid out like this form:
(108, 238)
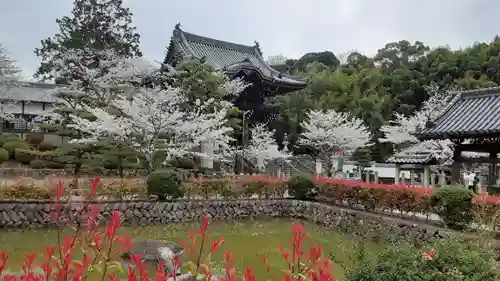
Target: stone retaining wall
(37, 214)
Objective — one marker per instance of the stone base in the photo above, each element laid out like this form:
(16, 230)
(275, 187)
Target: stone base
(35, 214)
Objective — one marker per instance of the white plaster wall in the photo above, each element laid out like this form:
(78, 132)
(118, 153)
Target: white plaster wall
(13, 107)
(35, 108)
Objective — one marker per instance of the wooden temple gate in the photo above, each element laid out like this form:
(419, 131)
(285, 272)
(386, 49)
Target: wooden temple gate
(472, 123)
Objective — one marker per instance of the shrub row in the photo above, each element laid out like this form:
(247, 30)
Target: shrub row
(456, 206)
(29, 189)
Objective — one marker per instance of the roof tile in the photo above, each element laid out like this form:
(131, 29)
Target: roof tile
(474, 113)
(28, 91)
(227, 56)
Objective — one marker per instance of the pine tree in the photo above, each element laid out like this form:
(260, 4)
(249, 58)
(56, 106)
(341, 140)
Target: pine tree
(73, 155)
(94, 25)
(9, 72)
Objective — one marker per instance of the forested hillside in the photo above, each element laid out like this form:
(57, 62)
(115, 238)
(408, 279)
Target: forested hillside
(374, 88)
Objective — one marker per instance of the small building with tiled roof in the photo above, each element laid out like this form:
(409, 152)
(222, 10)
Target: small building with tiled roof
(26, 100)
(236, 60)
(414, 155)
(417, 157)
(472, 123)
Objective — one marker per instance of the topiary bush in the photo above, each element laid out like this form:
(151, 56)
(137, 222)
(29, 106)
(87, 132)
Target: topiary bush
(23, 156)
(8, 137)
(4, 155)
(55, 165)
(184, 163)
(302, 188)
(46, 146)
(38, 164)
(165, 184)
(454, 205)
(12, 145)
(34, 139)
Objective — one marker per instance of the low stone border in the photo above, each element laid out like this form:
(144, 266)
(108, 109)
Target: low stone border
(37, 214)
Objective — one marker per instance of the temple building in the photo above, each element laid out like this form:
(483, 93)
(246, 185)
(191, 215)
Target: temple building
(236, 60)
(472, 123)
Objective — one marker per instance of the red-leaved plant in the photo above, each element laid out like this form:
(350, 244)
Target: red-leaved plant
(93, 252)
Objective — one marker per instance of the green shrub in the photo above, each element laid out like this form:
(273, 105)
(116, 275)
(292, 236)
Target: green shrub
(46, 146)
(23, 156)
(302, 188)
(454, 205)
(38, 164)
(165, 184)
(184, 163)
(12, 145)
(109, 162)
(34, 139)
(55, 165)
(8, 137)
(449, 259)
(4, 155)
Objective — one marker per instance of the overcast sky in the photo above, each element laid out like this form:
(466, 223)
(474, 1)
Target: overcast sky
(287, 27)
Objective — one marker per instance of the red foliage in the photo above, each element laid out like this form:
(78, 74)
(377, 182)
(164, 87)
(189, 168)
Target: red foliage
(100, 249)
(396, 197)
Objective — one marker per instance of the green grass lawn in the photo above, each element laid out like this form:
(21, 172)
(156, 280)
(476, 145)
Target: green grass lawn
(249, 240)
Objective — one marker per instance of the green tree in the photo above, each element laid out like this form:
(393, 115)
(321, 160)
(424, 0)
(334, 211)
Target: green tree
(327, 58)
(392, 82)
(75, 155)
(94, 25)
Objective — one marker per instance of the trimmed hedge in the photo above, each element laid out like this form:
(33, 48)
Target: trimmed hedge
(12, 145)
(165, 184)
(368, 196)
(453, 204)
(4, 155)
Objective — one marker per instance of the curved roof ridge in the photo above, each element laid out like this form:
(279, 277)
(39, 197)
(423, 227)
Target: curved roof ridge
(472, 113)
(481, 91)
(229, 57)
(214, 42)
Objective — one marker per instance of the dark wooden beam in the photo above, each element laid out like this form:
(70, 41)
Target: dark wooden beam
(479, 147)
(477, 160)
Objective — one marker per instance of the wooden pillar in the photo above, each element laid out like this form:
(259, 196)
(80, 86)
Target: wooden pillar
(455, 166)
(319, 167)
(375, 176)
(433, 180)
(412, 177)
(442, 179)
(397, 174)
(367, 175)
(426, 175)
(492, 175)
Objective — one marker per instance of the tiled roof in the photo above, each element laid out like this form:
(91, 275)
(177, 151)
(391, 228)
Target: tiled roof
(225, 56)
(473, 113)
(28, 91)
(416, 154)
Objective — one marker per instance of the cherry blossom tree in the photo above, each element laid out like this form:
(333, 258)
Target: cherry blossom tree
(6, 109)
(330, 132)
(402, 131)
(262, 147)
(151, 118)
(9, 77)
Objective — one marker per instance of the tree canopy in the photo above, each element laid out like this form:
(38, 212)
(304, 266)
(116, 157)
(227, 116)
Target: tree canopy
(93, 25)
(394, 82)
